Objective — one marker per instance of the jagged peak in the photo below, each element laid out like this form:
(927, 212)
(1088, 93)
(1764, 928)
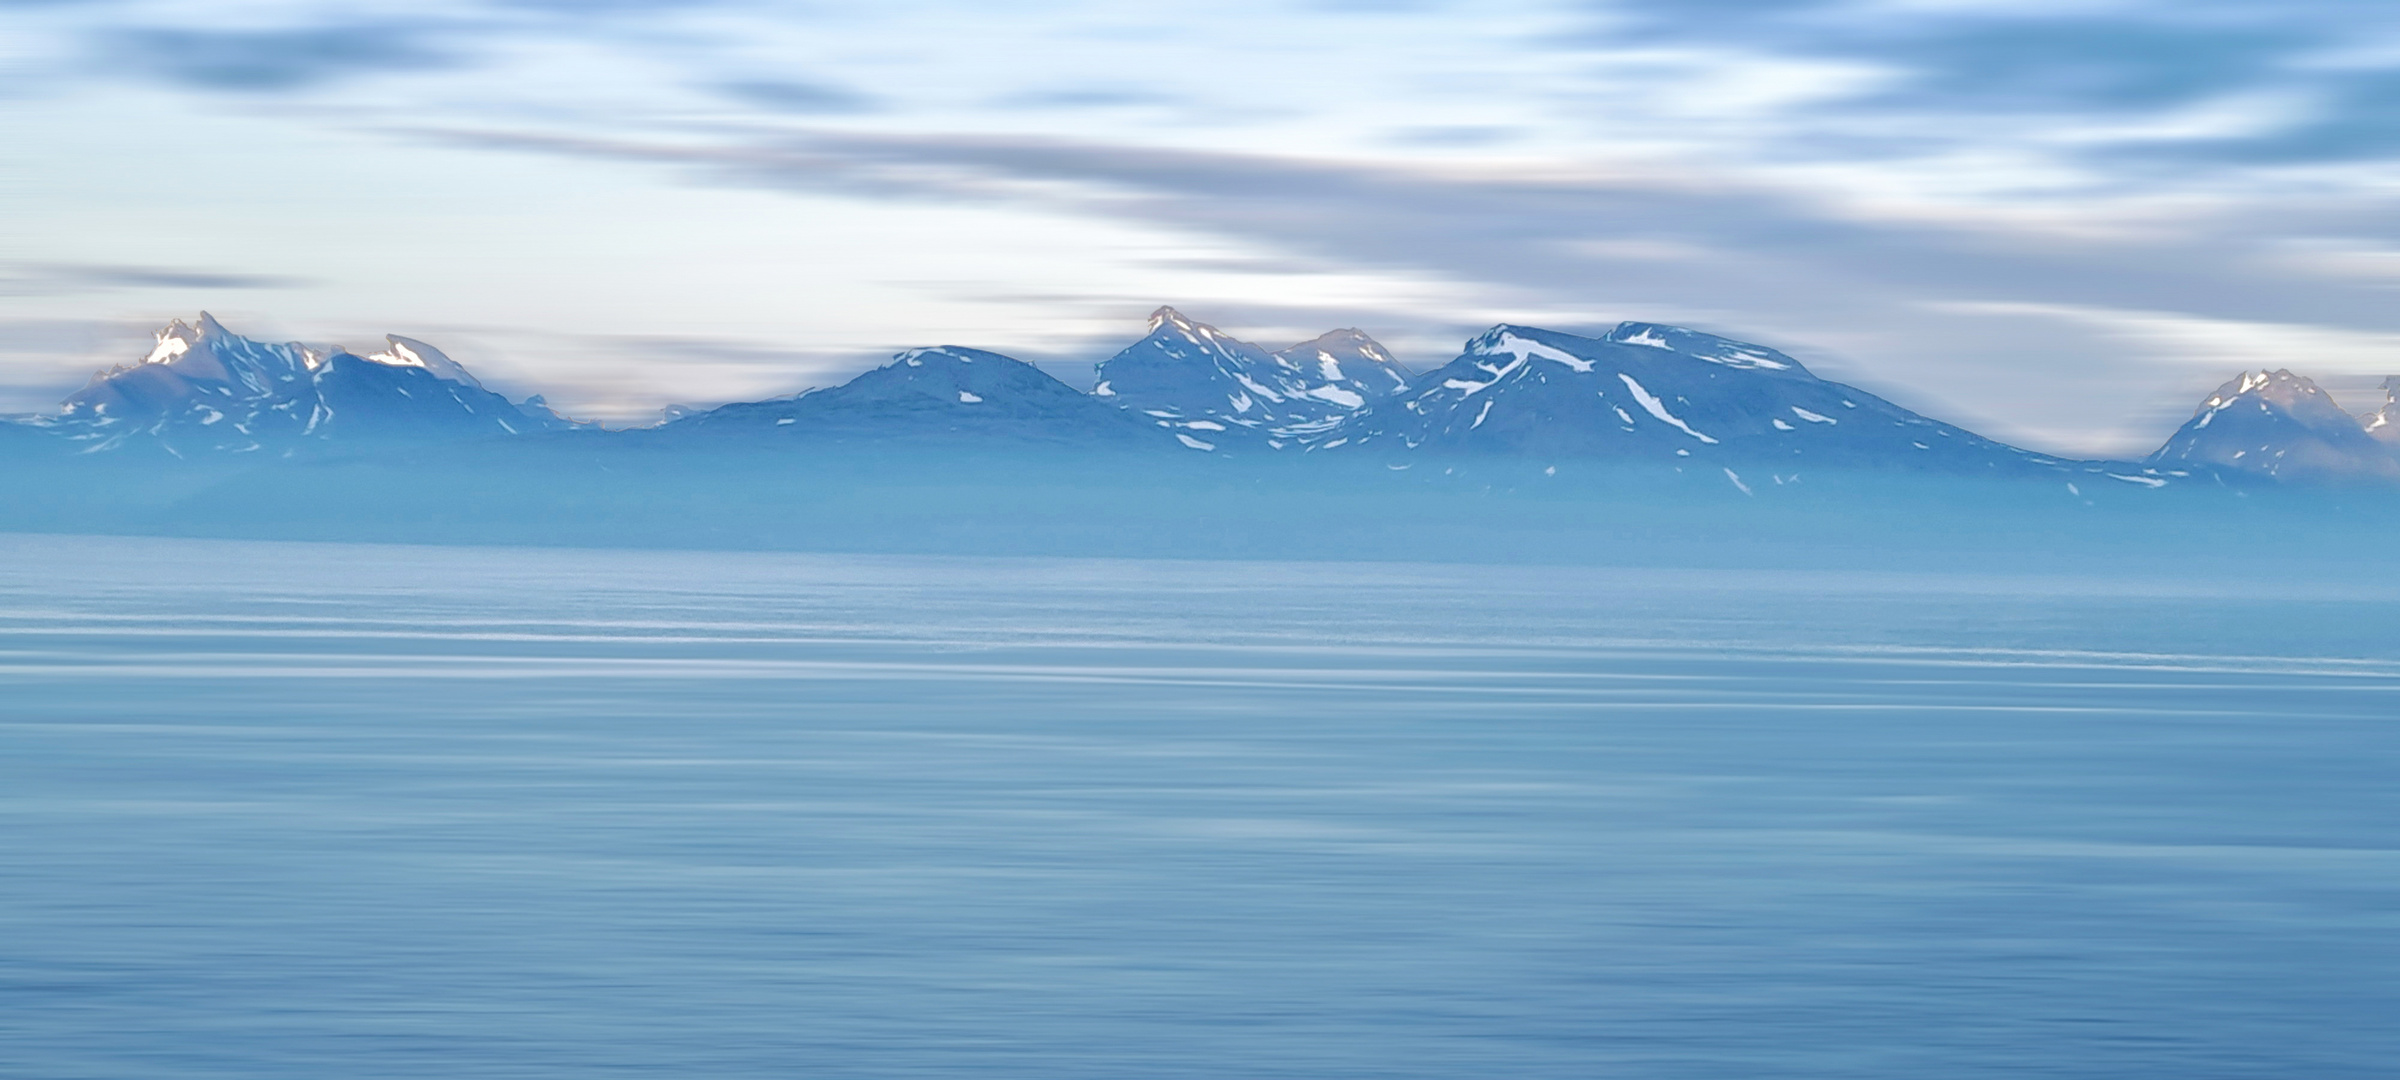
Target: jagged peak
(2262, 379)
(409, 352)
(1168, 321)
(1168, 316)
(178, 337)
(1321, 351)
(2384, 423)
(174, 340)
(2280, 387)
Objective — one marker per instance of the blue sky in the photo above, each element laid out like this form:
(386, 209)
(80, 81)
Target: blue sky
(2058, 223)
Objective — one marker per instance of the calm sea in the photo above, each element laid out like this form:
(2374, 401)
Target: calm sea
(342, 812)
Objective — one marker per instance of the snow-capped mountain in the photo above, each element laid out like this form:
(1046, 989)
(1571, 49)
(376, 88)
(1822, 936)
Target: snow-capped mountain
(1211, 388)
(2282, 426)
(931, 394)
(1346, 360)
(409, 352)
(206, 389)
(1647, 392)
(1642, 393)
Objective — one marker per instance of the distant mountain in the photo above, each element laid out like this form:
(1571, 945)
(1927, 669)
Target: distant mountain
(1211, 388)
(2384, 423)
(1647, 392)
(204, 389)
(1346, 360)
(1643, 394)
(2281, 426)
(944, 393)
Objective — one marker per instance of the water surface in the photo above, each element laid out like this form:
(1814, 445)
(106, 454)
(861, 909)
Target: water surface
(295, 810)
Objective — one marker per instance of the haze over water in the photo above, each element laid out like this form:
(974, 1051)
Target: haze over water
(294, 810)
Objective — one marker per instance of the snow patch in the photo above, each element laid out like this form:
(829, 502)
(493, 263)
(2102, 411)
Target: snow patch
(966, 398)
(1814, 418)
(1522, 349)
(1744, 358)
(1344, 398)
(1193, 443)
(1658, 408)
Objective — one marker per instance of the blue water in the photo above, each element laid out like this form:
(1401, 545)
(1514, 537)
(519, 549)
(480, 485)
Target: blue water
(335, 811)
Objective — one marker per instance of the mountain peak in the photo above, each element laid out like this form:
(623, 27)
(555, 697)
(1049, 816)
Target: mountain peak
(2284, 426)
(1345, 338)
(203, 387)
(1662, 394)
(409, 352)
(2281, 387)
(1168, 316)
(176, 339)
(941, 393)
(1704, 346)
(1194, 375)
(1349, 364)
(2384, 423)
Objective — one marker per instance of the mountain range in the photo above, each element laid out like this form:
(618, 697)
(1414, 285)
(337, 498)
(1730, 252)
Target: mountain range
(206, 390)
(1640, 395)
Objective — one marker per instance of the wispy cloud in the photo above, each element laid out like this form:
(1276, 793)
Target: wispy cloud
(797, 96)
(50, 279)
(275, 60)
(1879, 300)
